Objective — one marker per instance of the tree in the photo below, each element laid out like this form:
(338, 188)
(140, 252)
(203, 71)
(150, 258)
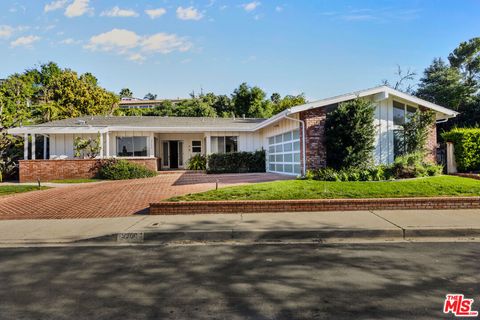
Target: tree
(250, 102)
(287, 102)
(150, 96)
(442, 85)
(416, 130)
(350, 135)
(466, 58)
(402, 80)
(126, 93)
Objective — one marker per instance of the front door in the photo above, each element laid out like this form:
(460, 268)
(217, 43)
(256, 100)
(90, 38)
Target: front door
(173, 154)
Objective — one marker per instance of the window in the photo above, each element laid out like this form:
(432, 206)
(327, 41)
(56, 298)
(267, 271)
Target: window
(224, 144)
(132, 146)
(401, 115)
(398, 113)
(196, 146)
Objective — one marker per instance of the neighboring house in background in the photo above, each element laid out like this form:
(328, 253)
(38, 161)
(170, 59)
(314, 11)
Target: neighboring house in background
(135, 103)
(294, 139)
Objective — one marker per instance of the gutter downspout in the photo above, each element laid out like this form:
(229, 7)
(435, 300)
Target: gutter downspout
(304, 169)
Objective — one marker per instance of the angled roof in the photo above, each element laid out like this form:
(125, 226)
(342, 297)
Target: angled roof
(93, 124)
(384, 91)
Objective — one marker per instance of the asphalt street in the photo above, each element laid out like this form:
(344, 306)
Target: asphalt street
(248, 281)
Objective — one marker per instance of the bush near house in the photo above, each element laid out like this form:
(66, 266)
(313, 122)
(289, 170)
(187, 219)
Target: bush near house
(408, 166)
(466, 142)
(350, 135)
(118, 169)
(197, 162)
(237, 162)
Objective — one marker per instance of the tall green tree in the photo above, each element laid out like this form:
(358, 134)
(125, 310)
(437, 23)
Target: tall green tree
(466, 58)
(250, 102)
(125, 93)
(350, 135)
(150, 96)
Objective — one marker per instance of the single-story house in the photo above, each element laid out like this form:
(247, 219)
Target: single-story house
(294, 139)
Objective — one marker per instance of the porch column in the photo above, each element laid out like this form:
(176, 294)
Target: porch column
(101, 145)
(208, 144)
(152, 145)
(107, 145)
(33, 146)
(25, 146)
(44, 147)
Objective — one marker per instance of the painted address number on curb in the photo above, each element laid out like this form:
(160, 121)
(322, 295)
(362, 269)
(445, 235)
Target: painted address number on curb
(132, 237)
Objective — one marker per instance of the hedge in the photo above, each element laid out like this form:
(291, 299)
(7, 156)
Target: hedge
(119, 169)
(467, 147)
(236, 162)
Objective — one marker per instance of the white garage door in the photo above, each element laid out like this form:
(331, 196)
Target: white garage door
(284, 153)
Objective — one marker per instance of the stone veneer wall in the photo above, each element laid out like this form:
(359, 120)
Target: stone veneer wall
(45, 170)
(431, 145)
(316, 153)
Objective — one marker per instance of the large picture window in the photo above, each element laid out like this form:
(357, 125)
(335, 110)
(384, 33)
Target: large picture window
(226, 144)
(401, 115)
(132, 146)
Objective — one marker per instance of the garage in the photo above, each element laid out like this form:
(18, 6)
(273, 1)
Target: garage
(284, 153)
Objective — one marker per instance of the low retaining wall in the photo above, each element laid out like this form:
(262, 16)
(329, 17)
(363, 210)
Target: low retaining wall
(45, 170)
(253, 206)
(468, 175)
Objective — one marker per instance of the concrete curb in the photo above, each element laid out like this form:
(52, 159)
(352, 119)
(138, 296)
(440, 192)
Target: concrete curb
(283, 235)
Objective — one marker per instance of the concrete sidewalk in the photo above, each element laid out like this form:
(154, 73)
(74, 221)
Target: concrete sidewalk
(398, 224)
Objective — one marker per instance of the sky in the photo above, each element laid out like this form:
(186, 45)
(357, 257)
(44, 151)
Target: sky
(171, 48)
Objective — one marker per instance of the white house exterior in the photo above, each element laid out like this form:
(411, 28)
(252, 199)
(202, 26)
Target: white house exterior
(293, 139)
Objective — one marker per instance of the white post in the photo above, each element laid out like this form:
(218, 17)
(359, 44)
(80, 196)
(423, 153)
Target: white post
(107, 144)
(451, 163)
(25, 146)
(44, 147)
(33, 146)
(101, 145)
(152, 146)
(208, 144)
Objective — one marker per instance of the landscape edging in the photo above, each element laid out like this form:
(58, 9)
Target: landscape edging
(260, 206)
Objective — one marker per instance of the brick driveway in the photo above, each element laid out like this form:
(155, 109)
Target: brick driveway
(115, 198)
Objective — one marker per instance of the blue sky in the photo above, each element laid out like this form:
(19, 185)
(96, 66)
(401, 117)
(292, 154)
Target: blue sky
(170, 48)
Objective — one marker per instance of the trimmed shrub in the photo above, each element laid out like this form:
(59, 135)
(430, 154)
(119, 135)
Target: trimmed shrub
(408, 166)
(467, 147)
(350, 135)
(119, 169)
(197, 162)
(236, 162)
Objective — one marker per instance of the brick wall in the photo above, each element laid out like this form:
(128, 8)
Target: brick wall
(45, 170)
(316, 153)
(431, 145)
(204, 207)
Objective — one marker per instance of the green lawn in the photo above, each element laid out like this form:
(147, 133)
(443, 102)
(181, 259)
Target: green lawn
(4, 190)
(309, 189)
(75, 181)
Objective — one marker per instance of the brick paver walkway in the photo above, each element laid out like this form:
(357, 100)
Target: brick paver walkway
(115, 198)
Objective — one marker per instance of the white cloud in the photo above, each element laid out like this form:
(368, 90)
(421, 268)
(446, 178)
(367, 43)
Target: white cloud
(136, 57)
(26, 41)
(116, 39)
(279, 8)
(117, 12)
(77, 8)
(164, 43)
(134, 46)
(189, 13)
(54, 5)
(251, 5)
(70, 41)
(155, 13)
(6, 31)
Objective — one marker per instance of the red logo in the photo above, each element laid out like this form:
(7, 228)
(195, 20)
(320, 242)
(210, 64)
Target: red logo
(459, 306)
